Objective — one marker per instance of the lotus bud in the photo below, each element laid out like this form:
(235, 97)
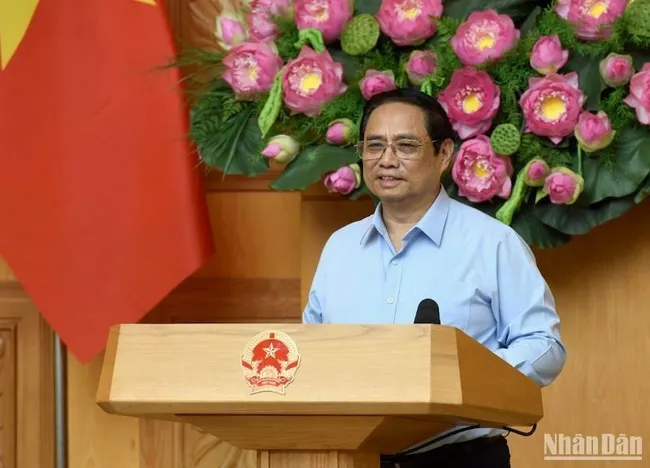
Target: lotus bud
(344, 180)
(420, 65)
(594, 131)
(535, 172)
(616, 70)
(547, 55)
(341, 132)
(281, 148)
(230, 30)
(563, 186)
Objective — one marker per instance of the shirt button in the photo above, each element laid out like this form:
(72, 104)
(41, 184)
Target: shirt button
(390, 300)
(395, 262)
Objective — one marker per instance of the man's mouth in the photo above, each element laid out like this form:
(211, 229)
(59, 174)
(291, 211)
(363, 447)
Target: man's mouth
(388, 182)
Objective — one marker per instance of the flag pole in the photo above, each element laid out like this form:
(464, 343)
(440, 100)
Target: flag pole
(60, 404)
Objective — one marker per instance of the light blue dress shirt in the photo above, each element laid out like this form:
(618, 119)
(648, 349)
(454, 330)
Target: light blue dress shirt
(480, 272)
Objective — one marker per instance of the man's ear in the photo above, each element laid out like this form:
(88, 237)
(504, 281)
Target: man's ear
(446, 153)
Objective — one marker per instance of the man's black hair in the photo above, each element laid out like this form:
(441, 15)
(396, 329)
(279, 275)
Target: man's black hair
(436, 121)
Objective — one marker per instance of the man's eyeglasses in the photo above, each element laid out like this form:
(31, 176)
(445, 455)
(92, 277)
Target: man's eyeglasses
(402, 149)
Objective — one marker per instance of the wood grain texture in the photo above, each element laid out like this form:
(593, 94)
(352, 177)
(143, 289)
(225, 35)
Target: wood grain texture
(323, 459)
(5, 272)
(174, 445)
(195, 373)
(256, 235)
(166, 444)
(97, 439)
(215, 181)
(230, 300)
(368, 434)
(8, 397)
(202, 450)
(26, 405)
(600, 282)
(161, 444)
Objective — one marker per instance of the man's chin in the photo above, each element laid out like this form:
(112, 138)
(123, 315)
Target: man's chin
(391, 196)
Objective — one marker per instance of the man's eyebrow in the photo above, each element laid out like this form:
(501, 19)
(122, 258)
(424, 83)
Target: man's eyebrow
(406, 136)
(399, 136)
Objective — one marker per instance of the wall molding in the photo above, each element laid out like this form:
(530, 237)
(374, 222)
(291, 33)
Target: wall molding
(26, 382)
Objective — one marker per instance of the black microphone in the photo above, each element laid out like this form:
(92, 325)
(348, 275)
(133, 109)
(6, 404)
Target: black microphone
(428, 312)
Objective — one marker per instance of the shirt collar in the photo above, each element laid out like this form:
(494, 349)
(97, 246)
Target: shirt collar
(432, 224)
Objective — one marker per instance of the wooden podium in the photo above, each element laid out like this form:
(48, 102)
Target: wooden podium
(313, 395)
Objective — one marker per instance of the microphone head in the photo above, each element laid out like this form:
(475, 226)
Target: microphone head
(428, 312)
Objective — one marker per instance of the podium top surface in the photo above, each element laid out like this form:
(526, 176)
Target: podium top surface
(299, 369)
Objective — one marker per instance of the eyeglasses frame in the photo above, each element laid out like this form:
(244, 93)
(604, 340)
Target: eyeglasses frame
(420, 144)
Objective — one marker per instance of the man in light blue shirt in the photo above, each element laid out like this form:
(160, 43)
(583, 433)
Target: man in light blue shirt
(420, 244)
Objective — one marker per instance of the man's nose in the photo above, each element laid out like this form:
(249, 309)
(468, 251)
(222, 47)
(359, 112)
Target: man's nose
(389, 158)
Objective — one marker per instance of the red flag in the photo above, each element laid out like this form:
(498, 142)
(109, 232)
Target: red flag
(101, 202)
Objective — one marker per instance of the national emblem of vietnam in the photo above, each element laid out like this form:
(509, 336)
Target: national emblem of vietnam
(270, 361)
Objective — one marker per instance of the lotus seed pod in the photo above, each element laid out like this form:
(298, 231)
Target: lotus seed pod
(637, 21)
(505, 139)
(360, 35)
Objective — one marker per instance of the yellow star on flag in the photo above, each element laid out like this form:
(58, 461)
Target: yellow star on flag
(15, 16)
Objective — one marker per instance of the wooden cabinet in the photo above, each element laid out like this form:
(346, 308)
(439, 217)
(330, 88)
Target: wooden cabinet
(26, 385)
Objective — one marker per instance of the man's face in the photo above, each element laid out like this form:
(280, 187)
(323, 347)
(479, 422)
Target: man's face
(414, 172)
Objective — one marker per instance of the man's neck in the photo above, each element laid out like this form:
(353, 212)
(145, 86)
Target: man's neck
(401, 216)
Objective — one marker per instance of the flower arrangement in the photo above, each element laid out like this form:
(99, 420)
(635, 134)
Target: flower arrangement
(550, 103)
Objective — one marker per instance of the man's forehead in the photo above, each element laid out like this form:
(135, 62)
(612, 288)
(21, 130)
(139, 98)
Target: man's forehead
(391, 120)
(386, 135)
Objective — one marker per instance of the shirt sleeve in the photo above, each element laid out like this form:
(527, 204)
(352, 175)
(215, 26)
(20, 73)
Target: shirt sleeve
(313, 312)
(528, 326)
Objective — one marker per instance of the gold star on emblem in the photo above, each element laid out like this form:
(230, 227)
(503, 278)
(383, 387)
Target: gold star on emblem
(270, 351)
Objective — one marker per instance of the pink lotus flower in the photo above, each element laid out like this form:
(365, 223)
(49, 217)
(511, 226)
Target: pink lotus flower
(639, 97)
(260, 18)
(340, 132)
(536, 172)
(250, 69)
(421, 63)
(471, 100)
(479, 173)
(594, 131)
(552, 104)
(310, 81)
(563, 186)
(344, 180)
(375, 82)
(547, 55)
(592, 19)
(328, 16)
(230, 30)
(616, 70)
(281, 148)
(485, 36)
(408, 22)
